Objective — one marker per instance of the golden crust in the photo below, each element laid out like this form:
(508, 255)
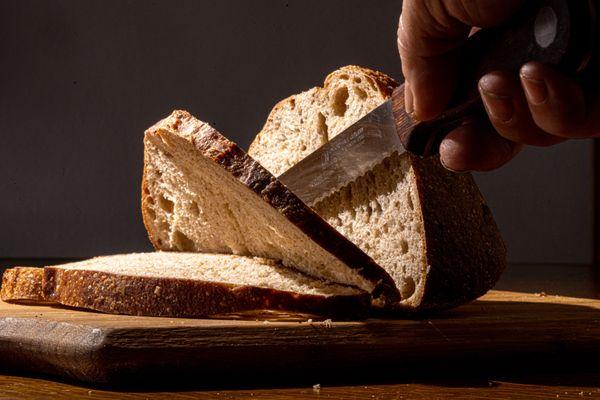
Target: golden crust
(22, 284)
(384, 83)
(211, 144)
(169, 297)
(465, 252)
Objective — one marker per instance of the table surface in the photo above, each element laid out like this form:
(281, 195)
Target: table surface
(520, 379)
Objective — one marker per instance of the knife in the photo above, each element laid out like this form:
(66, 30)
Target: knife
(562, 33)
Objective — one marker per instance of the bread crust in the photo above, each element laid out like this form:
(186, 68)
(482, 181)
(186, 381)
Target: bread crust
(464, 249)
(465, 252)
(384, 83)
(169, 297)
(211, 144)
(22, 285)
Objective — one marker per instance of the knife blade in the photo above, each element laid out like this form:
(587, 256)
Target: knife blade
(562, 33)
(347, 156)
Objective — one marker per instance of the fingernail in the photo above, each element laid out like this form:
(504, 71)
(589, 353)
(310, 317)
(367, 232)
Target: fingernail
(498, 106)
(448, 152)
(409, 103)
(535, 89)
(456, 171)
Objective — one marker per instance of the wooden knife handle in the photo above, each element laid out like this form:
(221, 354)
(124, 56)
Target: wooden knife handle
(561, 33)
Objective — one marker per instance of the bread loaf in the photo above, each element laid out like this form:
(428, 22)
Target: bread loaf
(430, 229)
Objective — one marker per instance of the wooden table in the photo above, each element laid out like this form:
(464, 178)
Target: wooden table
(540, 377)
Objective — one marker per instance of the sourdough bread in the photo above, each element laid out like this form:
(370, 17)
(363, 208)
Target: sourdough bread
(429, 228)
(202, 193)
(302, 123)
(195, 285)
(22, 285)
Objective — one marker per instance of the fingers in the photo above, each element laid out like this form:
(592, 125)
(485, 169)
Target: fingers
(427, 66)
(557, 103)
(431, 85)
(508, 110)
(476, 147)
(429, 34)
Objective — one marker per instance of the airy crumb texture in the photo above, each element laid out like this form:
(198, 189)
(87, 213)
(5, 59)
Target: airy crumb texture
(427, 227)
(202, 193)
(224, 268)
(377, 212)
(22, 285)
(195, 285)
(302, 123)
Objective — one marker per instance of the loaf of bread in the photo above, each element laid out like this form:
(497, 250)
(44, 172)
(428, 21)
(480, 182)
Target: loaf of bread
(430, 229)
(406, 235)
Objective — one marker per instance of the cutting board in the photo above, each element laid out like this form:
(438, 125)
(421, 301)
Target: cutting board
(101, 348)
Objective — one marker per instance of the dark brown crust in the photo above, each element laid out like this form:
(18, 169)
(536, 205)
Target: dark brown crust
(211, 144)
(169, 297)
(22, 285)
(464, 249)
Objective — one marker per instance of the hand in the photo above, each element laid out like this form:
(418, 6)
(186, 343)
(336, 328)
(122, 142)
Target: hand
(539, 107)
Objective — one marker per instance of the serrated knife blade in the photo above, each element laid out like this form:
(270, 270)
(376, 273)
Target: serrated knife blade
(350, 154)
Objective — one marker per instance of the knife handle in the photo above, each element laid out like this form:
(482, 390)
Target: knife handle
(561, 33)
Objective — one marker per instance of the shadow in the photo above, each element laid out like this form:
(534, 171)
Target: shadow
(553, 279)
(540, 371)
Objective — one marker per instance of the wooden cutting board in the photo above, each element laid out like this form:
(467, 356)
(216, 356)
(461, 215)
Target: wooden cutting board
(103, 348)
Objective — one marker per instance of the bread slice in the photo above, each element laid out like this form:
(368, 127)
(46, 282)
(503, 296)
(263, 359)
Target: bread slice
(300, 124)
(202, 193)
(429, 228)
(22, 285)
(195, 285)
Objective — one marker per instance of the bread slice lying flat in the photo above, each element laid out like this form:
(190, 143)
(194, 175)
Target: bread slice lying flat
(429, 228)
(22, 285)
(195, 285)
(202, 193)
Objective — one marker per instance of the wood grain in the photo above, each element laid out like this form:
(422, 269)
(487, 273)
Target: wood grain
(581, 386)
(103, 348)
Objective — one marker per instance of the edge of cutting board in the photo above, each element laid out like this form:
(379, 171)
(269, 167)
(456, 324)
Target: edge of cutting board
(108, 349)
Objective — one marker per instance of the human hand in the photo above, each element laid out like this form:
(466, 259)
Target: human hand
(539, 106)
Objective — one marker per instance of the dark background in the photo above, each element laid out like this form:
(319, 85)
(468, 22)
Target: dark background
(80, 80)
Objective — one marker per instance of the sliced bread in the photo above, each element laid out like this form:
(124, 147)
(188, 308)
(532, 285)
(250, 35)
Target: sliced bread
(22, 285)
(429, 228)
(202, 193)
(195, 285)
(302, 123)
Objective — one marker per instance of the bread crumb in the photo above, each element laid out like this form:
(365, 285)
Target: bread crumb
(157, 290)
(309, 321)
(266, 322)
(328, 323)
(317, 388)
(541, 294)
